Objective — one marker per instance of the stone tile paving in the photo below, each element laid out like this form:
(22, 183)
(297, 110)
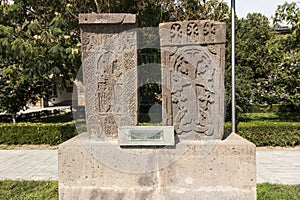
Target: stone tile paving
(274, 166)
(28, 164)
(278, 166)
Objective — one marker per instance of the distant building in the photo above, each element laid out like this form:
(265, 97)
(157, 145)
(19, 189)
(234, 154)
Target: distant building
(63, 97)
(283, 30)
(57, 98)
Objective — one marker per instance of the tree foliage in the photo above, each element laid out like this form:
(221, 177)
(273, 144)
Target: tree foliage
(194, 10)
(255, 58)
(267, 62)
(40, 47)
(287, 75)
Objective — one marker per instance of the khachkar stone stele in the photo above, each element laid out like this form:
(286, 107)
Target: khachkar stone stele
(109, 59)
(193, 54)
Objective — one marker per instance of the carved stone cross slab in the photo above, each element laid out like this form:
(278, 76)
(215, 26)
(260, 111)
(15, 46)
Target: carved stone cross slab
(109, 60)
(193, 59)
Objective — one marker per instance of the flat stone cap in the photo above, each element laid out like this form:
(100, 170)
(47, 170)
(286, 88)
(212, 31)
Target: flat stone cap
(107, 18)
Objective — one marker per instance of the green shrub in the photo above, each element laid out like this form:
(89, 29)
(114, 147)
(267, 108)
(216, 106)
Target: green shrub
(268, 191)
(271, 133)
(265, 133)
(36, 133)
(261, 133)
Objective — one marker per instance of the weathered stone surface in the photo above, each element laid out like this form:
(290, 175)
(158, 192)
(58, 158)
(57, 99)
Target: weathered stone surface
(109, 60)
(230, 162)
(211, 193)
(90, 169)
(105, 18)
(196, 170)
(193, 59)
(200, 165)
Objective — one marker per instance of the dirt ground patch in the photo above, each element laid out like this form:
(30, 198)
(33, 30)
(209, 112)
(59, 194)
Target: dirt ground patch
(296, 148)
(48, 147)
(28, 147)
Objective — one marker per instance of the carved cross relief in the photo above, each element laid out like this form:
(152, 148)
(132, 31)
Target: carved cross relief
(192, 74)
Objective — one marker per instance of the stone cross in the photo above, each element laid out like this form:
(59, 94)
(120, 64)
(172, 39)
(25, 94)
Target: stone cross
(109, 60)
(193, 59)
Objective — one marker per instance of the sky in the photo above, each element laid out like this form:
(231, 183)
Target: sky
(266, 7)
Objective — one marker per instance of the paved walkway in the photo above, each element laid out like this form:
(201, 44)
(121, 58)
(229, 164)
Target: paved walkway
(274, 166)
(28, 164)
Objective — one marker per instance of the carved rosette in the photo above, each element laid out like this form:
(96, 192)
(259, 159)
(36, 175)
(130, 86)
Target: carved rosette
(193, 77)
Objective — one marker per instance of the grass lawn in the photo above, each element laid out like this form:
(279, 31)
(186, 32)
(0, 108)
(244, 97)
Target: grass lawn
(28, 190)
(267, 191)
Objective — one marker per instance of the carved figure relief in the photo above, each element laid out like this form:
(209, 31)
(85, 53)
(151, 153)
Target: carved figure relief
(105, 59)
(93, 126)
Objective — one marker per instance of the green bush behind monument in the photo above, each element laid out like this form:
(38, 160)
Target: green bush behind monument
(36, 133)
(260, 133)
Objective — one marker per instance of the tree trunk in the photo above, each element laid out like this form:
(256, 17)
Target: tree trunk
(13, 117)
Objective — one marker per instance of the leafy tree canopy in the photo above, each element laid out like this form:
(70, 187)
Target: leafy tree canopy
(40, 46)
(287, 75)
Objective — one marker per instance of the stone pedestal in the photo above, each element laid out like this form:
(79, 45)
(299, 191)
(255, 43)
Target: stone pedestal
(217, 170)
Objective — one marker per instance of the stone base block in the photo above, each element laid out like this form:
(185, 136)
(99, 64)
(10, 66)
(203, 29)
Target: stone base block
(213, 170)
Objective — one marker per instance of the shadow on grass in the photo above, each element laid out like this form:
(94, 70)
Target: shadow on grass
(40, 117)
(272, 117)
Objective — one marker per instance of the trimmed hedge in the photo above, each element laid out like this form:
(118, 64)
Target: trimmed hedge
(261, 133)
(264, 133)
(36, 133)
